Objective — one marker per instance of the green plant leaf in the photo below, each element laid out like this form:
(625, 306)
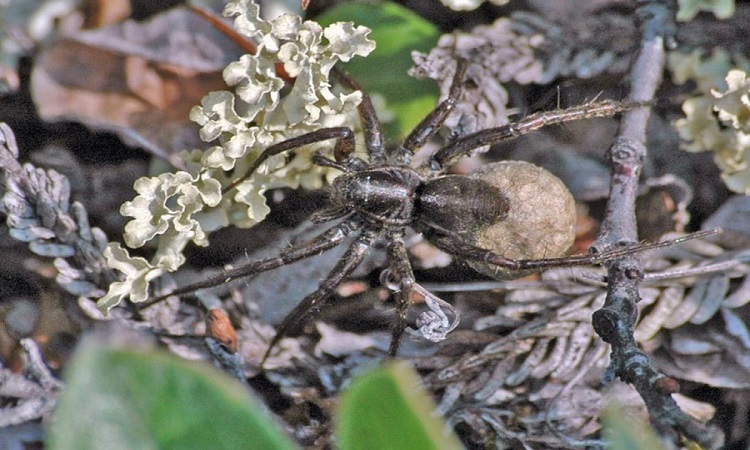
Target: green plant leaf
(387, 408)
(145, 399)
(397, 32)
(625, 432)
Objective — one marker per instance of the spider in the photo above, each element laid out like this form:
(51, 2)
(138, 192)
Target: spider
(382, 197)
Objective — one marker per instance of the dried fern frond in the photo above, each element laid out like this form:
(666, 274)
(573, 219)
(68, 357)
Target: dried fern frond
(545, 355)
(39, 211)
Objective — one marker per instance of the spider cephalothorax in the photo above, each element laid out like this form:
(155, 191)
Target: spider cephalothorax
(382, 197)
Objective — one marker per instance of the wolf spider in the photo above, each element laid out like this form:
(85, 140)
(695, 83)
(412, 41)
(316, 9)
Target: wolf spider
(384, 196)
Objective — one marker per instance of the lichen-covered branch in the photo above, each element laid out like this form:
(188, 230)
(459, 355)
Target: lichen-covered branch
(615, 321)
(39, 211)
(36, 393)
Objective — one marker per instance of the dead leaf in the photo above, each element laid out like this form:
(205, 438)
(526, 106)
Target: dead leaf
(139, 80)
(98, 13)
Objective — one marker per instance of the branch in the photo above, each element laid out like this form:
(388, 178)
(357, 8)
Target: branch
(615, 321)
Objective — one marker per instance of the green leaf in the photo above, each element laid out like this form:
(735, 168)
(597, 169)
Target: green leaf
(626, 432)
(387, 408)
(397, 32)
(136, 399)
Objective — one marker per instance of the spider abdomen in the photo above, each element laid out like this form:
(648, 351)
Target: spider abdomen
(382, 194)
(460, 205)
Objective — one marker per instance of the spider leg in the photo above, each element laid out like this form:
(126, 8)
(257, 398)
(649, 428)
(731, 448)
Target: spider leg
(371, 126)
(401, 268)
(324, 241)
(432, 122)
(346, 265)
(344, 147)
(464, 250)
(345, 144)
(463, 146)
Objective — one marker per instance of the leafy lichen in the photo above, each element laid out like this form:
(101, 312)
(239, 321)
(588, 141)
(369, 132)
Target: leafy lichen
(688, 9)
(186, 206)
(717, 119)
(467, 5)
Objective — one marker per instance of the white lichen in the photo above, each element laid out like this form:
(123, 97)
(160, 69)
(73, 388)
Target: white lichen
(733, 105)
(281, 91)
(688, 9)
(468, 5)
(717, 118)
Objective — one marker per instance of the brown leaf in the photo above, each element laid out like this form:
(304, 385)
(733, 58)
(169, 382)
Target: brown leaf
(98, 13)
(139, 80)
